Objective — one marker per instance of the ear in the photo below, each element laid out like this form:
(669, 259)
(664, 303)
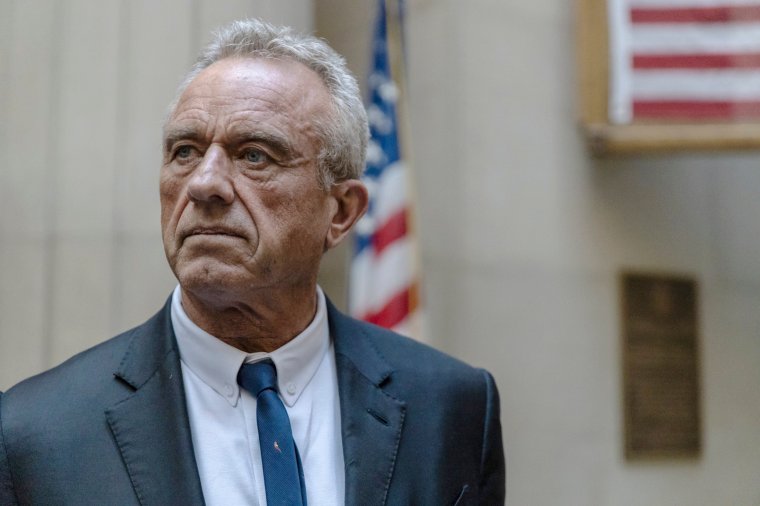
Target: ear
(351, 199)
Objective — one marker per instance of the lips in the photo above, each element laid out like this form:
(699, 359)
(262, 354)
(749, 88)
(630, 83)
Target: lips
(211, 231)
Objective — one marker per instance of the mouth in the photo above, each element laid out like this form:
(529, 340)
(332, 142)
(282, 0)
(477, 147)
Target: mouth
(212, 231)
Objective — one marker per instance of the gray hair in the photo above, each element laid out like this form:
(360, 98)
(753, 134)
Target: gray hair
(344, 134)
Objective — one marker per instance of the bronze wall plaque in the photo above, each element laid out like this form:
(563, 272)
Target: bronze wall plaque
(660, 366)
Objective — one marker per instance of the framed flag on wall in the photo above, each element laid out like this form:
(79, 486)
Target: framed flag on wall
(669, 74)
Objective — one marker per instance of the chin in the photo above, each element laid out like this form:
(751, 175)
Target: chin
(210, 280)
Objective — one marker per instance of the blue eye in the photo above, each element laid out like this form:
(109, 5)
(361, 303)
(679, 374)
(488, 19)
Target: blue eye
(254, 156)
(184, 151)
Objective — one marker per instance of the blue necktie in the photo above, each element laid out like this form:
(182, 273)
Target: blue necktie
(283, 474)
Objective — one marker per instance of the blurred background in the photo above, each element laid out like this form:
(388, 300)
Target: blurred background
(523, 233)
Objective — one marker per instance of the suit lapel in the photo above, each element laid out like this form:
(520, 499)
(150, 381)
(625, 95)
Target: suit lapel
(151, 426)
(371, 420)
(152, 429)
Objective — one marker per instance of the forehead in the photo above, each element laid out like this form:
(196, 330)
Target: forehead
(253, 88)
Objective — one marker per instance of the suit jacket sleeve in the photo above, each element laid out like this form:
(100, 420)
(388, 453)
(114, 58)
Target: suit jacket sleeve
(7, 495)
(492, 486)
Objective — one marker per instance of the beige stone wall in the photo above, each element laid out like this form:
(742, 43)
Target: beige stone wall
(84, 85)
(523, 235)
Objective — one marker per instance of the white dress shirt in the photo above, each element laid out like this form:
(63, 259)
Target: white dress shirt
(223, 416)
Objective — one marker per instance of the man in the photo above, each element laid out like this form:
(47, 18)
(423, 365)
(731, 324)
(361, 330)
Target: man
(249, 387)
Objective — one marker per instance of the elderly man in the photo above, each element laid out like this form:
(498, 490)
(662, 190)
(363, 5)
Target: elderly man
(249, 387)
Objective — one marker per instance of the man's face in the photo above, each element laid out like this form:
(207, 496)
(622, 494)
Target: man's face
(241, 205)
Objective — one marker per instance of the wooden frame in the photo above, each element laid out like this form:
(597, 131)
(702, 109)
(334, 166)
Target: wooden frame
(605, 138)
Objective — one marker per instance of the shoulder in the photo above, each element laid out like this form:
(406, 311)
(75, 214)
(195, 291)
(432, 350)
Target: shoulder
(451, 410)
(413, 366)
(74, 389)
(406, 353)
(62, 410)
(77, 375)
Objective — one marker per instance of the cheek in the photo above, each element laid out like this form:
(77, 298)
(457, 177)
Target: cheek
(170, 191)
(168, 184)
(289, 213)
(306, 219)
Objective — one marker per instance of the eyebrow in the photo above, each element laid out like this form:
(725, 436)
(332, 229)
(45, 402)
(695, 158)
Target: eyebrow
(174, 134)
(277, 143)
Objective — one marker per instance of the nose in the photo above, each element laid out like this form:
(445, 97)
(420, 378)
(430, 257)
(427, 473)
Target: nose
(211, 181)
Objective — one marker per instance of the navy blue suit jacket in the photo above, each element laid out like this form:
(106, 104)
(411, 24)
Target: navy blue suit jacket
(110, 426)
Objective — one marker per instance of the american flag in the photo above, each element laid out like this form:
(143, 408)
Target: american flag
(385, 273)
(684, 60)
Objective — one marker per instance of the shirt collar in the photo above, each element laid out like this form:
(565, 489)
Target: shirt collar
(217, 363)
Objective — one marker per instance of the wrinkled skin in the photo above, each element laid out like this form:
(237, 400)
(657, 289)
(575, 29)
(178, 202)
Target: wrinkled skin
(245, 221)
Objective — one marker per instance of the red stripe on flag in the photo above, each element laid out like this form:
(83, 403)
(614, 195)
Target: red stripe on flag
(394, 311)
(696, 61)
(696, 14)
(695, 109)
(393, 229)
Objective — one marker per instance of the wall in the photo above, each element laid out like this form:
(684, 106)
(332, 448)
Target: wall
(523, 235)
(84, 86)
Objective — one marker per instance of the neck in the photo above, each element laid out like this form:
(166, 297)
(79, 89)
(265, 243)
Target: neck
(262, 323)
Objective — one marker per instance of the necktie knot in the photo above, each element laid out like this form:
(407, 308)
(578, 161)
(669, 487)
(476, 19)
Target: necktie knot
(258, 377)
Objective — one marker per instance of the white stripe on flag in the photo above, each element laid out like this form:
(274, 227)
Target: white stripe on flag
(390, 193)
(685, 38)
(697, 84)
(619, 102)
